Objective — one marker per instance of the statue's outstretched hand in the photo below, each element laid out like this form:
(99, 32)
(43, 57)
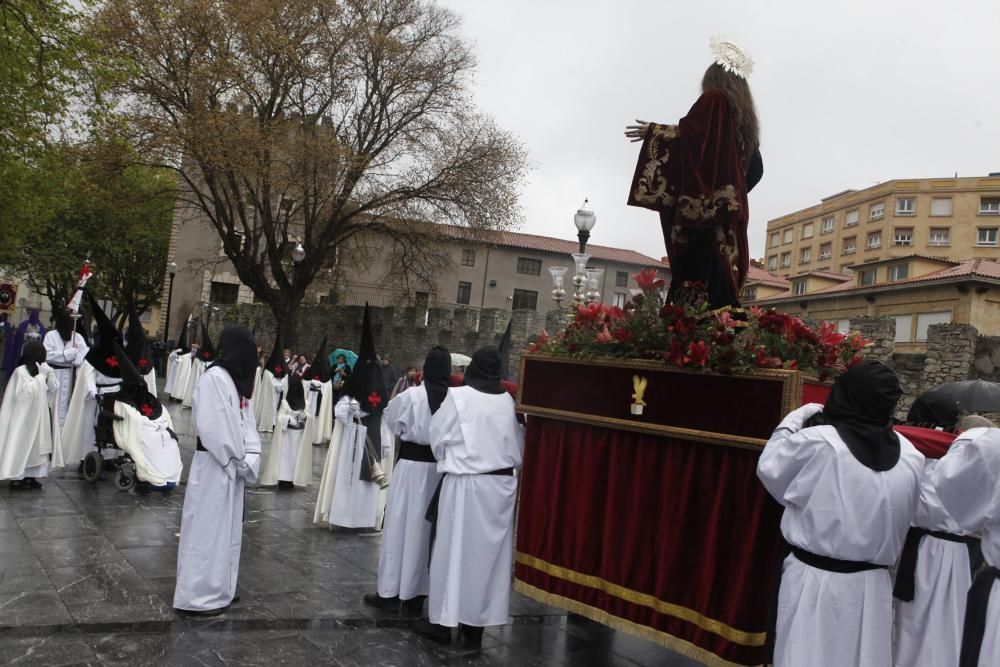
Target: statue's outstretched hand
(636, 132)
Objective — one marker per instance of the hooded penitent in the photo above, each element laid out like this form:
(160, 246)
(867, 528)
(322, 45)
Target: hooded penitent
(238, 356)
(134, 391)
(367, 386)
(102, 355)
(32, 355)
(484, 371)
(64, 325)
(207, 350)
(437, 372)
(83, 329)
(182, 343)
(319, 368)
(137, 347)
(860, 407)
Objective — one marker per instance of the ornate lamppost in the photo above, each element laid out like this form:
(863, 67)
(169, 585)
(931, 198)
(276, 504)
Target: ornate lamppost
(586, 282)
(171, 271)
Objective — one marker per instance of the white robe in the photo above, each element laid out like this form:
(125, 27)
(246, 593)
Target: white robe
(470, 580)
(197, 369)
(29, 434)
(405, 549)
(150, 380)
(324, 420)
(928, 629)
(344, 499)
(155, 452)
(287, 459)
(272, 392)
(255, 399)
(967, 480)
(78, 435)
(836, 507)
(168, 385)
(182, 374)
(208, 556)
(72, 353)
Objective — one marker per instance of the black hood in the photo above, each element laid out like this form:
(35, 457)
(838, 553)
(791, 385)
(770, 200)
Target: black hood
(319, 367)
(238, 355)
(32, 354)
(437, 373)
(296, 396)
(860, 407)
(182, 343)
(207, 350)
(276, 362)
(137, 346)
(134, 390)
(64, 325)
(102, 355)
(484, 371)
(503, 348)
(366, 383)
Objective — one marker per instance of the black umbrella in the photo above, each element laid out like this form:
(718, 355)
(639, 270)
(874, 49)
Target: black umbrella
(970, 395)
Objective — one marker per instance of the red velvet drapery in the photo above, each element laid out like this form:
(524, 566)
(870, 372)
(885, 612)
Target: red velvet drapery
(670, 539)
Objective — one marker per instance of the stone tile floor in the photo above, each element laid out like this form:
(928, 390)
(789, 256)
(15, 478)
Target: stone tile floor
(87, 578)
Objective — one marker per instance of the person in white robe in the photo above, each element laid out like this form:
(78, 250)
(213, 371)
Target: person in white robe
(358, 461)
(137, 348)
(144, 430)
(289, 463)
(932, 583)
(66, 351)
(29, 432)
(272, 390)
(320, 390)
(478, 443)
(849, 486)
(171, 376)
(967, 480)
(177, 379)
(227, 458)
(403, 557)
(200, 360)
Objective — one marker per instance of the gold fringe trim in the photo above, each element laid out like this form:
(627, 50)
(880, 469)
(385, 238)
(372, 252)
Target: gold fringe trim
(675, 644)
(645, 600)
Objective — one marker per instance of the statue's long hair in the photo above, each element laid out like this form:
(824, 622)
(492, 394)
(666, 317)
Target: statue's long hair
(737, 90)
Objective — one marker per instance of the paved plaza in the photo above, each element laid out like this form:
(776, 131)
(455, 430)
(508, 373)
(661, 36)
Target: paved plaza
(87, 578)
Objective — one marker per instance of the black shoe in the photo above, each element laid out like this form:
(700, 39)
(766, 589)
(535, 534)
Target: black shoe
(379, 602)
(285, 484)
(414, 606)
(204, 613)
(32, 483)
(470, 636)
(436, 633)
(17, 484)
(236, 598)
(79, 468)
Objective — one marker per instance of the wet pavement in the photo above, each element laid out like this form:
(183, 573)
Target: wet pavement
(87, 578)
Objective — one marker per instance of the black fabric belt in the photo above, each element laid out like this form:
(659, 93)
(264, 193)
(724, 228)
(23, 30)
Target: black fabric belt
(105, 386)
(412, 451)
(200, 447)
(292, 427)
(975, 616)
(906, 574)
(61, 367)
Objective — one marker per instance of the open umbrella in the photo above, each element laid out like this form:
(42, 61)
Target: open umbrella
(348, 355)
(460, 360)
(970, 395)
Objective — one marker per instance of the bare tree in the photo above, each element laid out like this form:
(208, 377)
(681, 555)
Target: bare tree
(310, 120)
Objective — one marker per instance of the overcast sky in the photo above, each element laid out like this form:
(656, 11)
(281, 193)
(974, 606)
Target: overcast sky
(848, 94)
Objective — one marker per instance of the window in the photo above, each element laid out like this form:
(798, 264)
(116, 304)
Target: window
(876, 211)
(906, 206)
(525, 300)
(224, 293)
(987, 236)
(772, 262)
(827, 225)
(798, 287)
(924, 320)
(825, 250)
(529, 267)
(939, 236)
(843, 326)
(874, 240)
(866, 277)
(788, 237)
(850, 245)
(619, 299)
(464, 293)
(904, 328)
(941, 206)
(621, 279)
(807, 230)
(468, 257)
(899, 271)
(903, 236)
(805, 255)
(989, 206)
(851, 219)
(775, 239)
(786, 259)
(750, 293)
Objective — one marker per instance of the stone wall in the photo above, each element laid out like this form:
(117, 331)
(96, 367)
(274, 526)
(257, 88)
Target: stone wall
(406, 334)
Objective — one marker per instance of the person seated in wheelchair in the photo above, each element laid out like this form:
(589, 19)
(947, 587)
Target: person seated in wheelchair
(143, 430)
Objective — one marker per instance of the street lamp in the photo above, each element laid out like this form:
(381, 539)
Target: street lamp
(298, 254)
(171, 271)
(586, 282)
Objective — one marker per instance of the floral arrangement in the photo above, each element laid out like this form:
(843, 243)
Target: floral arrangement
(686, 333)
